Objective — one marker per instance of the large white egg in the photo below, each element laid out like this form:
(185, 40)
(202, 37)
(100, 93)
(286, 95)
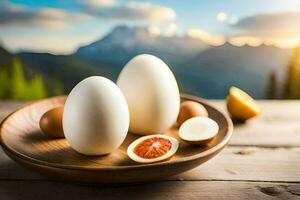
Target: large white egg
(96, 116)
(152, 94)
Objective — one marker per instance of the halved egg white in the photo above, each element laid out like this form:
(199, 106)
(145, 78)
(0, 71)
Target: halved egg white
(198, 130)
(132, 154)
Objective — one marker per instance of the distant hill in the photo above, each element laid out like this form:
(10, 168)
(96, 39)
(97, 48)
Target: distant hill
(67, 69)
(123, 43)
(213, 71)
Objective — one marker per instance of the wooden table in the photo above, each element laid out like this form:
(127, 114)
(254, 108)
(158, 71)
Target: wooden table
(262, 161)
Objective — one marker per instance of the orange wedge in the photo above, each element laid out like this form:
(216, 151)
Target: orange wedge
(240, 105)
(152, 148)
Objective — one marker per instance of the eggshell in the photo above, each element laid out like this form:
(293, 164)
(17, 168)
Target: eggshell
(96, 117)
(51, 122)
(152, 94)
(189, 109)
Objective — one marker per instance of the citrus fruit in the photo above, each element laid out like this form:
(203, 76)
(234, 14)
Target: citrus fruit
(198, 130)
(189, 109)
(152, 148)
(240, 105)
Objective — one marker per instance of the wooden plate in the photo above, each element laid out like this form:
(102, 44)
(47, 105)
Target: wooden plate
(23, 141)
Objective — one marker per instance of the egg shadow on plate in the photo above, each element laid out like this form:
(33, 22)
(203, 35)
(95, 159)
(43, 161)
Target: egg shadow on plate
(64, 155)
(185, 149)
(37, 136)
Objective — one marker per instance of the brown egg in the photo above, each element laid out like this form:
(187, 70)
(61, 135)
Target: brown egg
(189, 109)
(51, 122)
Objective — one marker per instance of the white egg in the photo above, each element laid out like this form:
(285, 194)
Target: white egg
(96, 116)
(152, 94)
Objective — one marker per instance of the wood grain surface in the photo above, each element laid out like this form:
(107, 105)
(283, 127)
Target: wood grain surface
(277, 126)
(261, 162)
(154, 191)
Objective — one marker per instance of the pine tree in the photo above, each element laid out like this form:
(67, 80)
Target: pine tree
(292, 83)
(17, 81)
(20, 88)
(4, 84)
(272, 86)
(57, 87)
(35, 88)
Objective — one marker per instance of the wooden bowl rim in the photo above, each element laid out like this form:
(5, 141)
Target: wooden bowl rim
(208, 152)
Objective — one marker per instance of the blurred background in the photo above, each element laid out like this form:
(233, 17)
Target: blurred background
(46, 47)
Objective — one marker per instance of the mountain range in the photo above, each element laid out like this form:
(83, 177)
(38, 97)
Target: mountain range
(246, 67)
(200, 69)
(123, 43)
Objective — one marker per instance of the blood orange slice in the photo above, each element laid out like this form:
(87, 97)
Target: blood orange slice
(152, 148)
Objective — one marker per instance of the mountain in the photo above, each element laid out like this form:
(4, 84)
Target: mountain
(67, 69)
(123, 43)
(199, 68)
(213, 71)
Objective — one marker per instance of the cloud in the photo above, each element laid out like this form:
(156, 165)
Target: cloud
(154, 31)
(245, 40)
(206, 37)
(15, 15)
(233, 19)
(170, 29)
(58, 14)
(167, 30)
(135, 11)
(92, 4)
(225, 18)
(54, 18)
(276, 25)
(221, 17)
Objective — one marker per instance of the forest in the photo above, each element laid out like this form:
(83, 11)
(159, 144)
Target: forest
(15, 85)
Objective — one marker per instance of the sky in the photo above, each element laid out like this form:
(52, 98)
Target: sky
(61, 26)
